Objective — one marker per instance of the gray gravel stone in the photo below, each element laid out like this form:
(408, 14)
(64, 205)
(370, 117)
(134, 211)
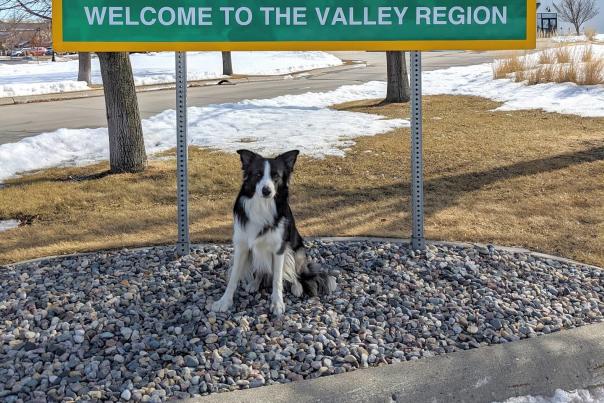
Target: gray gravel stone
(126, 394)
(135, 325)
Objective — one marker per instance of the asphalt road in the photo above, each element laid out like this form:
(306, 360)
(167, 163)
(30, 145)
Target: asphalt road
(20, 121)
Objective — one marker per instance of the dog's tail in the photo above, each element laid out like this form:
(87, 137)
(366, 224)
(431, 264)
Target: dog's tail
(315, 282)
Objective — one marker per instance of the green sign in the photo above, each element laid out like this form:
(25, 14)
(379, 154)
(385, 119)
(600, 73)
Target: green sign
(179, 25)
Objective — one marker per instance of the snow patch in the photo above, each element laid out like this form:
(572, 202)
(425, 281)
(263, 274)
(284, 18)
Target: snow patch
(561, 396)
(46, 77)
(571, 38)
(268, 126)
(5, 225)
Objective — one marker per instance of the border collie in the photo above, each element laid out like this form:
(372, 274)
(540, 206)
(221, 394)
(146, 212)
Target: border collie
(266, 242)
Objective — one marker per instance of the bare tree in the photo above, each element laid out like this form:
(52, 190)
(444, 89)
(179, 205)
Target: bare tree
(576, 12)
(13, 35)
(227, 64)
(398, 78)
(40, 9)
(126, 142)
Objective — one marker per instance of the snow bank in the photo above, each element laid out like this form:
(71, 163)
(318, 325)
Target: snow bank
(561, 396)
(24, 89)
(158, 68)
(566, 98)
(154, 68)
(267, 126)
(580, 38)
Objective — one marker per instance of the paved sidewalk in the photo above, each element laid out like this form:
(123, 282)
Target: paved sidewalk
(567, 360)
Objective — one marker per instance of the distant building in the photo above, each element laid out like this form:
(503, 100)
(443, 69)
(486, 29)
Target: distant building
(547, 22)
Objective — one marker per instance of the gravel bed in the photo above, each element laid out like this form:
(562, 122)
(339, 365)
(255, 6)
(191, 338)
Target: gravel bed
(135, 325)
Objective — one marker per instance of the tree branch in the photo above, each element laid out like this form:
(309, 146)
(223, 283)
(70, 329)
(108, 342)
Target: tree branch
(32, 11)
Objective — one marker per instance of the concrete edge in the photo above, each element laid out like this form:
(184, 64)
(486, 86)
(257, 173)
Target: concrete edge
(568, 360)
(337, 239)
(232, 80)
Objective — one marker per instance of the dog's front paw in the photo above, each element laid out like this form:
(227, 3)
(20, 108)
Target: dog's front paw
(277, 306)
(222, 305)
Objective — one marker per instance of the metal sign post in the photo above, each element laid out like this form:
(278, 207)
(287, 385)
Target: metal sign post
(183, 246)
(417, 164)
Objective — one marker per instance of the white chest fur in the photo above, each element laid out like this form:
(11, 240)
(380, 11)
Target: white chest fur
(253, 236)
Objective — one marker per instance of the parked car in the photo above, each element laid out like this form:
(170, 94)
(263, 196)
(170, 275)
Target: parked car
(37, 51)
(49, 52)
(17, 52)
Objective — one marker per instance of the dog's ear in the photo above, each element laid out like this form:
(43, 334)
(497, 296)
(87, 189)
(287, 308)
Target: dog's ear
(289, 158)
(247, 157)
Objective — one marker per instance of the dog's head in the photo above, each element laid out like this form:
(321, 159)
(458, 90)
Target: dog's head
(265, 177)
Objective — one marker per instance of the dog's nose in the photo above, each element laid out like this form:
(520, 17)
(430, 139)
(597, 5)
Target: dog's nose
(266, 191)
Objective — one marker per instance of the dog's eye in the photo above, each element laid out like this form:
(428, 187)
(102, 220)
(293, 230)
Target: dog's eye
(258, 175)
(275, 176)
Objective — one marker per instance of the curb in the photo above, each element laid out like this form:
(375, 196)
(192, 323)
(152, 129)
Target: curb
(571, 359)
(508, 249)
(230, 80)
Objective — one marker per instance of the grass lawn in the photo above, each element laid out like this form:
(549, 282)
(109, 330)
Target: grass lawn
(524, 178)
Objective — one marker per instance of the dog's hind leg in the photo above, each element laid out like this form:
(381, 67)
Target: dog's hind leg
(240, 264)
(290, 274)
(300, 263)
(277, 305)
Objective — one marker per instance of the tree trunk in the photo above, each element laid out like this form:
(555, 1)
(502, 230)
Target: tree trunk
(227, 64)
(398, 79)
(578, 29)
(126, 142)
(84, 69)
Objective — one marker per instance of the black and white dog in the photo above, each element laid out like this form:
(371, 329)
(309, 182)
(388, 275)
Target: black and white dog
(266, 242)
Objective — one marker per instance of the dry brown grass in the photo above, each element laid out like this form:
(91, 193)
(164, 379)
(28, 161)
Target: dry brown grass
(547, 57)
(546, 74)
(590, 34)
(510, 65)
(593, 73)
(566, 73)
(546, 34)
(525, 178)
(522, 75)
(563, 54)
(587, 54)
(560, 65)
